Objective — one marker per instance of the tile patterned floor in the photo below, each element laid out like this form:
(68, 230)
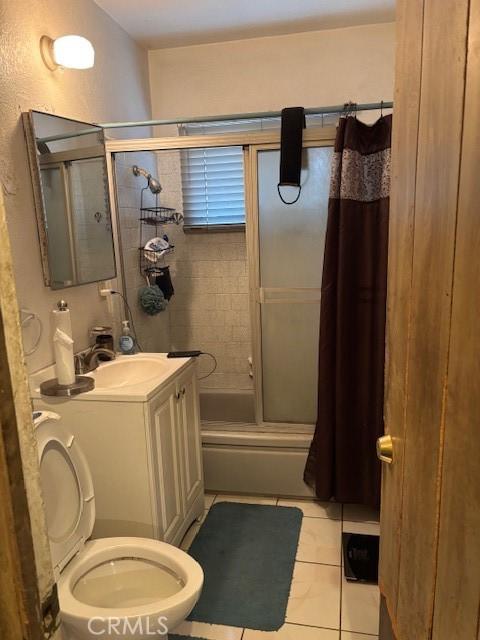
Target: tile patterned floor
(322, 604)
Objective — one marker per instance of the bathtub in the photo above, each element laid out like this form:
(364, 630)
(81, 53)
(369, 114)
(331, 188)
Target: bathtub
(240, 456)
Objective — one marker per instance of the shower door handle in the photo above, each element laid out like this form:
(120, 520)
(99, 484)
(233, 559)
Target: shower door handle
(385, 449)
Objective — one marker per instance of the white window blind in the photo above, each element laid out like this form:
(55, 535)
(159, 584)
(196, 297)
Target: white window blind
(213, 187)
(213, 179)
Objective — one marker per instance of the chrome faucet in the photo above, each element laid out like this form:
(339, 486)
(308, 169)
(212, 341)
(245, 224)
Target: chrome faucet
(86, 362)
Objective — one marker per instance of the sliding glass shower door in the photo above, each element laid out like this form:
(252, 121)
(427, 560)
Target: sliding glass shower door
(290, 248)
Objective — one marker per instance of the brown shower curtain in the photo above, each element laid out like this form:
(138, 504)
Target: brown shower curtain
(342, 464)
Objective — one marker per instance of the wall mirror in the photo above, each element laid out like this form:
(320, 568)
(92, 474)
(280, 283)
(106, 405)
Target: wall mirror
(69, 174)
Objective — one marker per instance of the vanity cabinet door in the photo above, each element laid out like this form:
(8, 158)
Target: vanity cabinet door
(189, 432)
(167, 461)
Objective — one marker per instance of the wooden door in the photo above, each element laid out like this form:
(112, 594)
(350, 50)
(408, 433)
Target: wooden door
(429, 562)
(457, 592)
(26, 596)
(189, 434)
(164, 424)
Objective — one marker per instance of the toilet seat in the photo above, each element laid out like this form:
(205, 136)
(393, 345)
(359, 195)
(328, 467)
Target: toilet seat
(103, 550)
(70, 506)
(66, 480)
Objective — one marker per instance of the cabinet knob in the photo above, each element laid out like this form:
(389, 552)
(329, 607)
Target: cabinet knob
(178, 395)
(184, 391)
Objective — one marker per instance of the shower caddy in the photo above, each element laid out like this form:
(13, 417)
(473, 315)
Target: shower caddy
(151, 260)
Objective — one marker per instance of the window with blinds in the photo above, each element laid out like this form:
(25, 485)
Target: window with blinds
(213, 187)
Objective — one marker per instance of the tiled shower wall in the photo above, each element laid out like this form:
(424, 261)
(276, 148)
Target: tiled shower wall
(152, 331)
(94, 236)
(209, 310)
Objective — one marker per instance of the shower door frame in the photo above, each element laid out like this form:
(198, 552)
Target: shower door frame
(62, 166)
(252, 143)
(325, 137)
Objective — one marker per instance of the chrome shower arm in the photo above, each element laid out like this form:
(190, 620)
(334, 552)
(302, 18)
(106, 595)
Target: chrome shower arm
(153, 184)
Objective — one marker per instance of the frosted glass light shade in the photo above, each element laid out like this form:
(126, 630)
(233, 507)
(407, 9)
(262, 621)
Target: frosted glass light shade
(73, 52)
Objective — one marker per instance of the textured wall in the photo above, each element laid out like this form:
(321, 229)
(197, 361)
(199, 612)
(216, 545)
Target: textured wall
(116, 89)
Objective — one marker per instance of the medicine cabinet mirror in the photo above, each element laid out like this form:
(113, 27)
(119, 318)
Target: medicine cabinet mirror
(70, 185)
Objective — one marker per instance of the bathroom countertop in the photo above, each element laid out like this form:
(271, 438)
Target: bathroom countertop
(129, 390)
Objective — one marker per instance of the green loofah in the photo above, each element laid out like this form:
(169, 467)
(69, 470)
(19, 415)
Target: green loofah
(152, 300)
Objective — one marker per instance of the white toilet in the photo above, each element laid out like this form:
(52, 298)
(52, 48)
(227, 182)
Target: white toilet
(130, 588)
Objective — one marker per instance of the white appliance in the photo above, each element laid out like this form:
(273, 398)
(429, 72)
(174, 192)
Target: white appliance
(146, 586)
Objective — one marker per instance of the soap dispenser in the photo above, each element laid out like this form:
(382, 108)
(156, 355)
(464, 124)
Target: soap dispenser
(127, 341)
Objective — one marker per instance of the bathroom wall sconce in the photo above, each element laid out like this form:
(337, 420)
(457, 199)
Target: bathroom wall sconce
(69, 52)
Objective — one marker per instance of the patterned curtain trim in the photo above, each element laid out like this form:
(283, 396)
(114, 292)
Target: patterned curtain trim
(365, 178)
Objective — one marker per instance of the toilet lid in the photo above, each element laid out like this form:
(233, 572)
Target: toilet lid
(67, 488)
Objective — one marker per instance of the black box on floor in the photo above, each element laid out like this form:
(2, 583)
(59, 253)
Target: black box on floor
(360, 557)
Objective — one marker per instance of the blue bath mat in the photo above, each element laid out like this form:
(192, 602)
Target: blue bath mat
(247, 552)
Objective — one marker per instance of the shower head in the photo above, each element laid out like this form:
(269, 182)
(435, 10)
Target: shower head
(153, 184)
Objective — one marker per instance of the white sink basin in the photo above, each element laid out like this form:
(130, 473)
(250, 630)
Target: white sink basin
(129, 370)
(135, 378)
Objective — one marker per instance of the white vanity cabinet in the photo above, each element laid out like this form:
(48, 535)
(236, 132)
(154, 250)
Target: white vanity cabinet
(173, 419)
(144, 451)
(189, 422)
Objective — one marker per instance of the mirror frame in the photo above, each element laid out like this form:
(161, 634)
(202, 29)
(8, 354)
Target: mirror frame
(40, 213)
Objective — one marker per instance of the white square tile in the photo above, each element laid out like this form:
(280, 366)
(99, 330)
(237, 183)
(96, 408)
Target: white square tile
(360, 513)
(209, 500)
(367, 528)
(315, 596)
(208, 631)
(320, 541)
(360, 607)
(313, 509)
(245, 499)
(347, 635)
(292, 632)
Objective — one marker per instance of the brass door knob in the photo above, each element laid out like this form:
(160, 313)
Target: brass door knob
(385, 449)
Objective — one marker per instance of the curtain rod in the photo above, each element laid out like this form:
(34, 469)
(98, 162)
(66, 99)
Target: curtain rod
(339, 108)
(256, 115)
